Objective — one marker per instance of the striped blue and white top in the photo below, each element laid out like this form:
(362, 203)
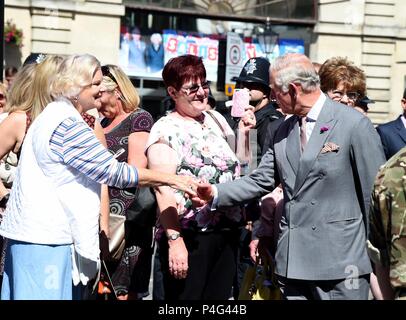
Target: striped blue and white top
(76, 145)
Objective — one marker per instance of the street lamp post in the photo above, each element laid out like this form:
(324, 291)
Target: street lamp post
(268, 39)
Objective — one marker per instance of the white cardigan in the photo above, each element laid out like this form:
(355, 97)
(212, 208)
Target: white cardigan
(50, 202)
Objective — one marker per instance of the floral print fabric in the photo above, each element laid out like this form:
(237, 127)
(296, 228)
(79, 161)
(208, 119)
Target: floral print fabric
(117, 144)
(121, 200)
(204, 153)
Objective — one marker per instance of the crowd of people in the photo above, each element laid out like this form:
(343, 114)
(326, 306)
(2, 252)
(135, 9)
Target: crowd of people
(299, 180)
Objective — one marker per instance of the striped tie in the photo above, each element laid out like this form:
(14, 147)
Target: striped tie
(303, 137)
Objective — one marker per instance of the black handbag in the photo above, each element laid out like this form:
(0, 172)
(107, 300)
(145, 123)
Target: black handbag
(143, 209)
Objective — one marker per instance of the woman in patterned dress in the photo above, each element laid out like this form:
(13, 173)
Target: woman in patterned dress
(197, 245)
(126, 127)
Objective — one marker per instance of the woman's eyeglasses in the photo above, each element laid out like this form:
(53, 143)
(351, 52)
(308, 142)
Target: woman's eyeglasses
(339, 95)
(106, 72)
(194, 88)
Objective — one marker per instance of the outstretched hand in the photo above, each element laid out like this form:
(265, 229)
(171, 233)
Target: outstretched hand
(187, 184)
(204, 195)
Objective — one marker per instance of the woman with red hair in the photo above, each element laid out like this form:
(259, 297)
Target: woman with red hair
(197, 246)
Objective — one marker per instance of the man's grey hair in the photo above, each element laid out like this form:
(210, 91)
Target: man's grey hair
(296, 68)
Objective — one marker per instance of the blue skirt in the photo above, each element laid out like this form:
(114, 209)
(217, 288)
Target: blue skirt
(38, 272)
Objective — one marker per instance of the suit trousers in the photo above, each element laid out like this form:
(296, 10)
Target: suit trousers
(341, 289)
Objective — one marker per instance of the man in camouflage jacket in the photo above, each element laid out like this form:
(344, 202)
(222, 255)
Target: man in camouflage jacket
(388, 227)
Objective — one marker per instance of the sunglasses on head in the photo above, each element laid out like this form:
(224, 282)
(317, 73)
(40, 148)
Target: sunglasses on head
(106, 72)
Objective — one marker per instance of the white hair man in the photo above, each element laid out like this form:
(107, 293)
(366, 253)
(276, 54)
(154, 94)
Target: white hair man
(326, 158)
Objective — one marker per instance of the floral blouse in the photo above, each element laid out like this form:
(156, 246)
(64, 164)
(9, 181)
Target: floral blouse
(117, 144)
(204, 153)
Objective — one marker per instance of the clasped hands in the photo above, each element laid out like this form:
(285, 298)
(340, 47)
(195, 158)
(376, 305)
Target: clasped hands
(198, 190)
(200, 193)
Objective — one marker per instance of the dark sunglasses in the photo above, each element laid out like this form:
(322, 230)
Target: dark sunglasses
(195, 87)
(106, 72)
(2, 96)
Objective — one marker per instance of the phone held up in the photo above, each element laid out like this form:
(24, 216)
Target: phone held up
(241, 100)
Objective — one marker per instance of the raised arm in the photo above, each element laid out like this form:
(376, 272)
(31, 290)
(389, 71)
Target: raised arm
(77, 146)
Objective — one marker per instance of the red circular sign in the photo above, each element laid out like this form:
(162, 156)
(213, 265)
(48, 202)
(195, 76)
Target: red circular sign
(235, 54)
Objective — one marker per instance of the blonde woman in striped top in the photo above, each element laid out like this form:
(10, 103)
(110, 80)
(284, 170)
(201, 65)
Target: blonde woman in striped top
(51, 220)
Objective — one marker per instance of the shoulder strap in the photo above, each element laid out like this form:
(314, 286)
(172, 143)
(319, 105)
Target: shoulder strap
(218, 123)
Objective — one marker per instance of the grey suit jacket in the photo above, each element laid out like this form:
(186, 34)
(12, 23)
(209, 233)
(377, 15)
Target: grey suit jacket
(327, 195)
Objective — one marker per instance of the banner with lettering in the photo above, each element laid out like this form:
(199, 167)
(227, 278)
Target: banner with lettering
(284, 46)
(176, 45)
(239, 52)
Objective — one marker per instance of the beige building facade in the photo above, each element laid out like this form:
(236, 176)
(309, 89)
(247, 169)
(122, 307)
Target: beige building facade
(67, 27)
(372, 33)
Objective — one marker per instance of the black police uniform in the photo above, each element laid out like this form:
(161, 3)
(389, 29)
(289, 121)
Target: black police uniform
(255, 70)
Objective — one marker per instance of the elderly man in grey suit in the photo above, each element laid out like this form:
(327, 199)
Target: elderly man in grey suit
(326, 157)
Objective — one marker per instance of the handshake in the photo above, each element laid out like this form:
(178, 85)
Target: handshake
(201, 193)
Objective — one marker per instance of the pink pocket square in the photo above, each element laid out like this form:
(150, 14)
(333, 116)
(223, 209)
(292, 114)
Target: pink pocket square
(330, 147)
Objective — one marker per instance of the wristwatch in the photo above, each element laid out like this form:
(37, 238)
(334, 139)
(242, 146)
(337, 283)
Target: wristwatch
(174, 236)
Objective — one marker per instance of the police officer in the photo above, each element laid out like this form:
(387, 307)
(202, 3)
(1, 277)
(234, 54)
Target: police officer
(362, 104)
(387, 236)
(254, 77)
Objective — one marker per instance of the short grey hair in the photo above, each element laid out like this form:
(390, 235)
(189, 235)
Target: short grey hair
(295, 67)
(75, 73)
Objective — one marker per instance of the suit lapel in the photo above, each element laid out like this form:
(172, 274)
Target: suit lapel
(292, 144)
(315, 144)
(401, 129)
